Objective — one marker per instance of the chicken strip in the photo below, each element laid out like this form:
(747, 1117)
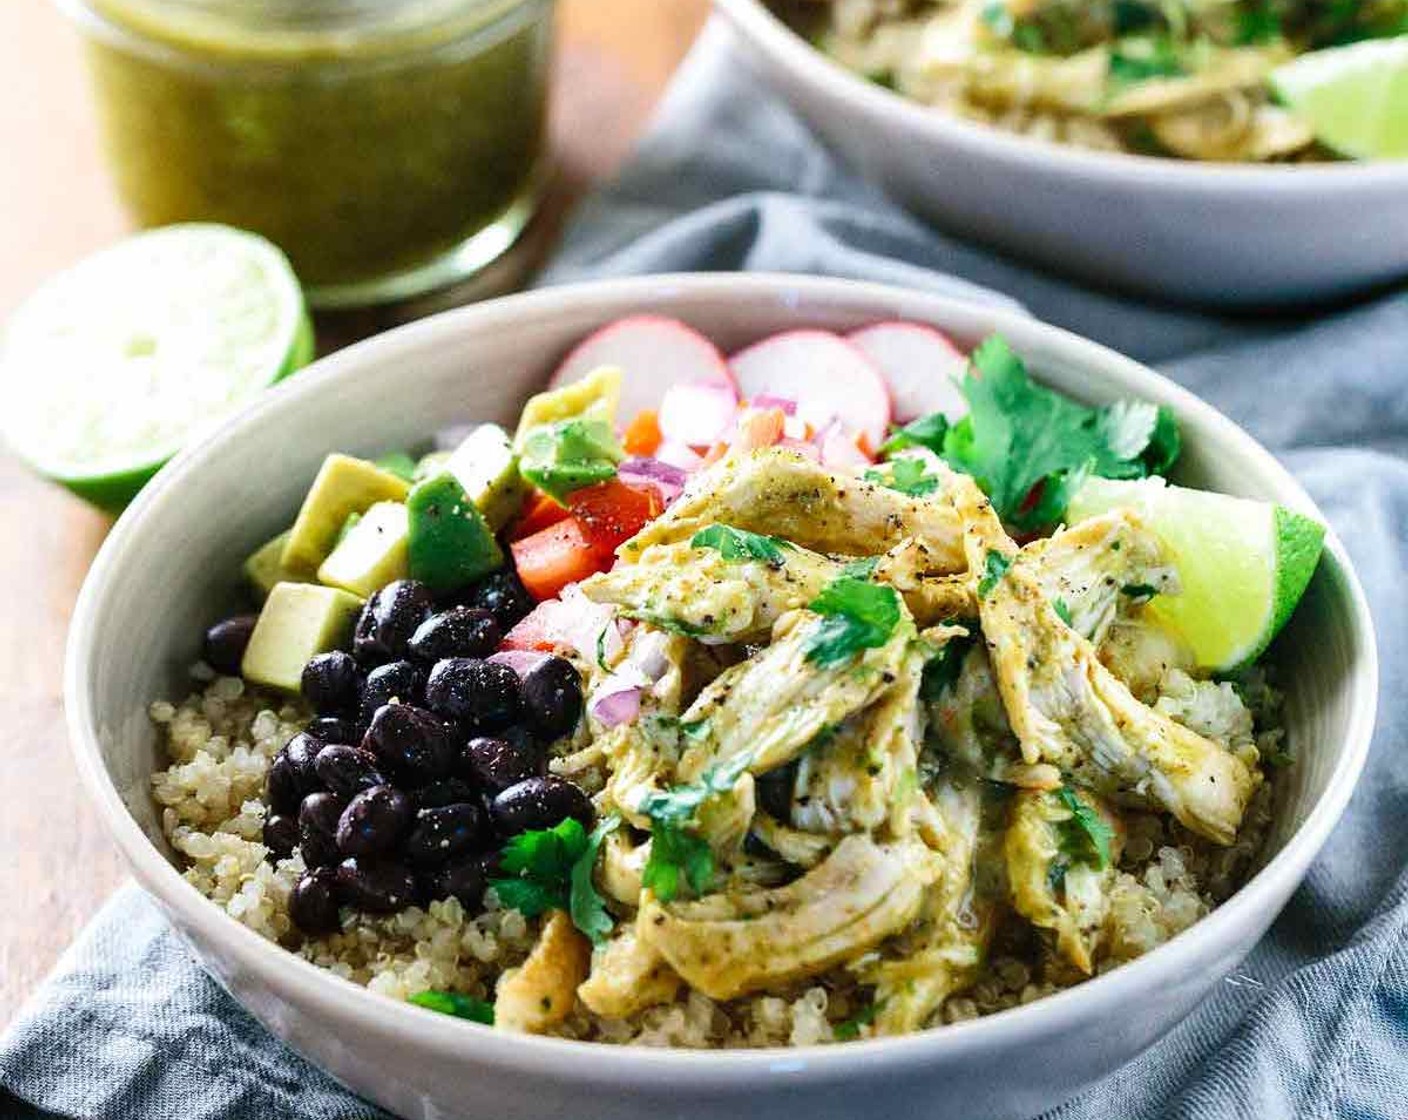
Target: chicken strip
(542, 993)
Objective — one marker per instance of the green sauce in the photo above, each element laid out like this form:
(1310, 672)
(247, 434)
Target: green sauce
(367, 159)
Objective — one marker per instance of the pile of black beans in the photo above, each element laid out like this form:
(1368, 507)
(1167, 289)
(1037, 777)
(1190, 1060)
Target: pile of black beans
(424, 758)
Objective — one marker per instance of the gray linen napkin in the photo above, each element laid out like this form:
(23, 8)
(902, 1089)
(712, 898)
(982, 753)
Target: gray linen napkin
(1316, 1022)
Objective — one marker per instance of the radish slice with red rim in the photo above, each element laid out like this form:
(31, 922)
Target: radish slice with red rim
(827, 376)
(653, 352)
(920, 366)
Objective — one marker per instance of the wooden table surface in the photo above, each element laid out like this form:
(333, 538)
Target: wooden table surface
(614, 57)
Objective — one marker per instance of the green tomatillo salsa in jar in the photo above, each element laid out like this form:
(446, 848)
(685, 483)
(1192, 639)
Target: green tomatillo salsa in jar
(389, 147)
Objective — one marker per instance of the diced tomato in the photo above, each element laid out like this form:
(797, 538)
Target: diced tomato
(642, 435)
(612, 512)
(866, 447)
(714, 454)
(552, 558)
(539, 512)
(758, 427)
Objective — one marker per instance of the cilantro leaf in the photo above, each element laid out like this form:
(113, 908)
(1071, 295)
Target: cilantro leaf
(585, 904)
(1139, 592)
(995, 566)
(677, 858)
(1139, 60)
(539, 867)
(740, 544)
(856, 615)
(863, 568)
(1085, 838)
(455, 1003)
(1062, 609)
(849, 1029)
(928, 431)
(1030, 448)
(941, 671)
(905, 475)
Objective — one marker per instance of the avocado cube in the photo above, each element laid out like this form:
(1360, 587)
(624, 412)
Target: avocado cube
(298, 620)
(594, 397)
(450, 544)
(344, 486)
(485, 465)
(371, 553)
(264, 567)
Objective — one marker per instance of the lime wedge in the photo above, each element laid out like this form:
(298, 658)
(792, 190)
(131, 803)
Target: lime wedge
(112, 366)
(1243, 565)
(1354, 98)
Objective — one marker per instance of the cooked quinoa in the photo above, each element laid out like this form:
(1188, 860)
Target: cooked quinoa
(219, 742)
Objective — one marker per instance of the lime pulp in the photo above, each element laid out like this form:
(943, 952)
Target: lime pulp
(1354, 98)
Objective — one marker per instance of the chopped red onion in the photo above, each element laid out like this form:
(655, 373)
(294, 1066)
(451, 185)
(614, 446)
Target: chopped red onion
(521, 661)
(665, 477)
(698, 413)
(768, 400)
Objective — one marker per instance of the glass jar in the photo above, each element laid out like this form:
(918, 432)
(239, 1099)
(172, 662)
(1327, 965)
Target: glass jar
(389, 147)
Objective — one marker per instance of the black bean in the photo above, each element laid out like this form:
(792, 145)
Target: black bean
(446, 792)
(483, 694)
(347, 771)
(411, 742)
(552, 697)
(280, 835)
(539, 803)
(397, 680)
(495, 764)
(332, 683)
(444, 834)
(457, 632)
(378, 886)
(291, 773)
(503, 595)
(225, 643)
(312, 904)
(389, 619)
(333, 729)
(373, 822)
(774, 791)
(317, 828)
(464, 879)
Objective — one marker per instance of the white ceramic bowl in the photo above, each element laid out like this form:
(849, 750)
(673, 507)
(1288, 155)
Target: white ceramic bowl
(171, 562)
(1206, 233)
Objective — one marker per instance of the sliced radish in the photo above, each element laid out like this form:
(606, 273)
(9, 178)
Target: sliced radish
(697, 414)
(838, 448)
(919, 365)
(823, 373)
(654, 352)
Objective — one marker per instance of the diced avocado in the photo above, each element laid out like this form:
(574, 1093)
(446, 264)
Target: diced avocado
(485, 465)
(399, 463)
(595, 396)
(567, 455)
(298, 621)
(449, 542)
(371, 554)
(430, 465)
(265, 566)
(344, 485)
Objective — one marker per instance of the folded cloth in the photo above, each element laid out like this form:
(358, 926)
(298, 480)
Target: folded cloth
(1315, 1024)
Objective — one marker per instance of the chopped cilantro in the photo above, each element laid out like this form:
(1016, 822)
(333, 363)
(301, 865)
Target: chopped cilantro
(856, 615)
(905, 475)
(455, 1003)
(850, 1028)
(565, 456)
(1062, 609)
(677, 858)
(1085, 837)
(928, 431)
(551, 869)
(1138, 60)
(739, 544)
(863, 568)
(587, 907)
(941, 670)
(1258, 21)
(664, 622)
(1139, 592)
(1030, 448)
(995, 566)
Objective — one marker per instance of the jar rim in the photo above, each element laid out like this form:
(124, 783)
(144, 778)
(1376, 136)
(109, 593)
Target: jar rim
(275, 31)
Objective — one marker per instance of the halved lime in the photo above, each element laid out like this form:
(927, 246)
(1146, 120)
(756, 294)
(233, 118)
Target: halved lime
(1243, 564)
(112, 366)
(1354, 98)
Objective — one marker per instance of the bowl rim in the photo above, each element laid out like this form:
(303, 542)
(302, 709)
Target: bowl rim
(758, 25)
(326, 995)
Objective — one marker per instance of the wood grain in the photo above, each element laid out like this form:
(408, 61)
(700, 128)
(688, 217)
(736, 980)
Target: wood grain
(614, 57)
